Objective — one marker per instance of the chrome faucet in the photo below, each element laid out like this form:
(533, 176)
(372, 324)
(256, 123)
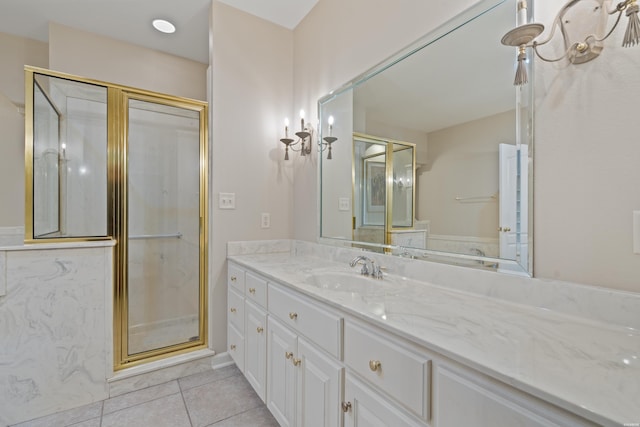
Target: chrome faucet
(376, 271)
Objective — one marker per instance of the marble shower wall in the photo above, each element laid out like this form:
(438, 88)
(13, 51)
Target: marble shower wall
(55, 332)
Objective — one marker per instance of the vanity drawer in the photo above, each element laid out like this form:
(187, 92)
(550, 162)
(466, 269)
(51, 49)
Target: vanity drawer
(319, 325)
(389, 366)
(235, 306)
(235, 277)
(235, 346)
(256, 289)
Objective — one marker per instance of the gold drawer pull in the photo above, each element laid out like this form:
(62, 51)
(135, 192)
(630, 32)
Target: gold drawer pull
(259, 329)
(233, 346)
(288, 355)
(375, 365)
(296, 362)
(293, 316)
(252, 290)
(346, 406)
(233, 309)
(234, 278)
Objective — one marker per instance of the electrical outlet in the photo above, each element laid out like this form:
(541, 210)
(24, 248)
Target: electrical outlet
(227, 201)
(344, 204)
(266, 220)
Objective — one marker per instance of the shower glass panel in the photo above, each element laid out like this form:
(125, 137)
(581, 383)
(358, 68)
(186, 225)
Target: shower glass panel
(69, 188)
(163, 192)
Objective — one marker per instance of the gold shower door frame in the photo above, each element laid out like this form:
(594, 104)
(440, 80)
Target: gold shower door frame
(118, 164)
(118, 97)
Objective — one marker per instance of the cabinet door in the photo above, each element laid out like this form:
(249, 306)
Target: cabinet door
(369, 409)
(255, 361)
(463, 398)
(319, 388)
(281, 388)
(236, 346)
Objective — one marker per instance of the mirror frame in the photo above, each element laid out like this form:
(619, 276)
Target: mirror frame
(524, 110)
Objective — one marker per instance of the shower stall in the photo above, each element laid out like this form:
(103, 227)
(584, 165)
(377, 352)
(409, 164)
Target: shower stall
(106, 161)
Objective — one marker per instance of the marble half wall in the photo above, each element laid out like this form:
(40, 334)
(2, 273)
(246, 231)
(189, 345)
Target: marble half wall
(54, 329)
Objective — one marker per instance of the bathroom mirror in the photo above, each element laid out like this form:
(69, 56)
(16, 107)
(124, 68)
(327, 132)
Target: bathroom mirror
(451, 96)
(66, 161)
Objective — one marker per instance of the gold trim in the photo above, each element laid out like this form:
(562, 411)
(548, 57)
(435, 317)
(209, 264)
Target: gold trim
(117, 203)
(122, 357)
(389, 153)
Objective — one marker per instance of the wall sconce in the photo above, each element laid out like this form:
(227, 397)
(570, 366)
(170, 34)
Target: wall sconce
(328, 140)
(306, 131)
(303, 134)
(524, 35)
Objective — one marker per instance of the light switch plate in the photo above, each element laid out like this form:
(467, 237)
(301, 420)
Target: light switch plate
(266, 220)
(343, 204)
(636, 232)
(227, 201)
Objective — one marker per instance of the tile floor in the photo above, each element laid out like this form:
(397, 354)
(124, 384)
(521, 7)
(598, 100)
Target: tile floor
(220, 398)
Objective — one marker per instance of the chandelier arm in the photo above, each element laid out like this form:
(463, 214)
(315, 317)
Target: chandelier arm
(620, 7)
(611, 30)
(535, 49)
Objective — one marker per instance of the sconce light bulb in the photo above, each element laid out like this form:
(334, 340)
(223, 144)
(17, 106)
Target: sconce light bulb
(302, 114)
(330, 120)
(286, 122)
(63, 146)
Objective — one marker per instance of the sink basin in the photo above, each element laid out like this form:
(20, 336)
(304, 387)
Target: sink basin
(344, 282)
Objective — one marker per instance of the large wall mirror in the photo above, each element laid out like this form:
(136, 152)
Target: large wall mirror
(462, 192)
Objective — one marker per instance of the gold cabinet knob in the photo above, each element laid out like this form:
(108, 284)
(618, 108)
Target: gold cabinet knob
(346, 406)
(234, 278)
(375, 365)
(259, 329)
(293, 316)
(507, 229)
(233, 346)
(288, 355)
(296, 362)
(233, 309)
(252, 290)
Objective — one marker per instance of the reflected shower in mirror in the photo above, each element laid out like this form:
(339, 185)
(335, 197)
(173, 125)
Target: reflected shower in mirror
(451, 96)
(69, 197)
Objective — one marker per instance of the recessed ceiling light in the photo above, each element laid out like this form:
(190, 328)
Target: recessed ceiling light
(164, 26)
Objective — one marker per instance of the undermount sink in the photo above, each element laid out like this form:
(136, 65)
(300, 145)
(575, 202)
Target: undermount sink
(344, 282)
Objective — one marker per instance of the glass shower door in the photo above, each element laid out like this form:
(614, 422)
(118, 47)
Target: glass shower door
(164, 239)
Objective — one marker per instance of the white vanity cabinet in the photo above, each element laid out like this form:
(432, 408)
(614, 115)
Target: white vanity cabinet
(235, 315)
(390, 365)
(305, 383)
(365, 407)
(315, 365)
(464, 397)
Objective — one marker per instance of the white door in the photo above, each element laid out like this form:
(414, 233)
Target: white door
(256, 349)
(513, 210)
(281, 386)
(319, 388)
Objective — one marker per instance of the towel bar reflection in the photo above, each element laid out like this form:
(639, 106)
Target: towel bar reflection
(155, 236)
(476, 199)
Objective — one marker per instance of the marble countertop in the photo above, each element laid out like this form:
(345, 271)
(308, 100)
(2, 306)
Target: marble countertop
(586, 367)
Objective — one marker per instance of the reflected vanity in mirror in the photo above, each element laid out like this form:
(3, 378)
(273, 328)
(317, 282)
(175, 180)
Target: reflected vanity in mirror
(441, 162)
(67, 190)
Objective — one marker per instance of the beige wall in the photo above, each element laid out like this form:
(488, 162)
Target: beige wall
(90, 55)
(587, 151)
(16, 52)
(587, 166)
(251, 92)
(463, 162)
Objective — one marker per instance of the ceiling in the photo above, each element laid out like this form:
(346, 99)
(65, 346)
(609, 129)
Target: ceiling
(130, 21)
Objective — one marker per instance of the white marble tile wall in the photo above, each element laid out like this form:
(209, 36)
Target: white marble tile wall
(596, 303)
(259, 247)
(53, 329)
(11, 236)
